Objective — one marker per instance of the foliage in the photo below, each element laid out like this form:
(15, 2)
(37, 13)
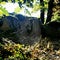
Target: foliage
(33, 4)
(44, 50)
(36, 7)
(56, 12)
(46, 4)
(17, 9)
(3, 11)
(16, 50)
(56, 17)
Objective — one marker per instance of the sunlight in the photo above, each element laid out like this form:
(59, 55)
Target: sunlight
(10, 7)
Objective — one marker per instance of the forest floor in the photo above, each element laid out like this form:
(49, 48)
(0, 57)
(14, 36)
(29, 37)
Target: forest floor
(46, 49)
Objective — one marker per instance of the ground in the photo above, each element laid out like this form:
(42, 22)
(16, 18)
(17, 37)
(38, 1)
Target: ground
(46, 49)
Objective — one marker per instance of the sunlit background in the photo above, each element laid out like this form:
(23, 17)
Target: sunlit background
(13, 7)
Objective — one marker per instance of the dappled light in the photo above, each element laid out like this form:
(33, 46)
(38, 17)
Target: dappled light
(29, 29)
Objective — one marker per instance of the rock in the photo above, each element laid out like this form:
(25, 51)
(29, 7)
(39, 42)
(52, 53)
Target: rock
(52, 29)
(13, 22)
(1, 22)
(5, 25)
(27, 29)
(30, 31)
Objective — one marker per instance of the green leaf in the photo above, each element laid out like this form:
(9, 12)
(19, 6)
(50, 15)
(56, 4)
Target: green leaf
(3, 11)
(28, 12)
(17, 9)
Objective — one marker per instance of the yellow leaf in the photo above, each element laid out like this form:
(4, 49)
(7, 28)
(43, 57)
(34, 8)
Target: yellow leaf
(1, 13)
(3, 3)
(17, 10)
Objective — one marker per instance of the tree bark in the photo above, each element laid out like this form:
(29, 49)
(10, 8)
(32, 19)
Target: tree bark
(50, 11)
(42, 11)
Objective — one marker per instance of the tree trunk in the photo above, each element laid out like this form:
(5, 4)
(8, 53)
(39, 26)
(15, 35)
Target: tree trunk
(50, 11)
(42, 11)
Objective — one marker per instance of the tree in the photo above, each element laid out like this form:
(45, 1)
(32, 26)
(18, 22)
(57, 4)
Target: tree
(50, 11)
(42, 10)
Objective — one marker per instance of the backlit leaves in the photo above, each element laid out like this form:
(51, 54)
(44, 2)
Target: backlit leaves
(3, 11)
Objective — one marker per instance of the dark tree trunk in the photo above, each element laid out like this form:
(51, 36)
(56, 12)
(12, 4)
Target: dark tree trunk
(50, 11)
(42, 11)
(13, 1)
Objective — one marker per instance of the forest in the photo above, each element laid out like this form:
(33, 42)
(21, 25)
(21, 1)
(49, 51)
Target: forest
(29, 29)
